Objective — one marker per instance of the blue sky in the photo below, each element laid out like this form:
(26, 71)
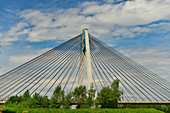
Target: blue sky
(138, 28)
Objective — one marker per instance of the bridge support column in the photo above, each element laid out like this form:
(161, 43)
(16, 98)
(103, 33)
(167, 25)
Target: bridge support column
(85, 50)
(88, 57)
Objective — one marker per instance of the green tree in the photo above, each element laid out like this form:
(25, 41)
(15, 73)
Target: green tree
(37, 100)
(26, 95)
(91, 96)
(57, 98)
(116, 93)
(103, 97)
(108, 97)
(67, 101)
(80, 96)
(45, 102)
(14, 99)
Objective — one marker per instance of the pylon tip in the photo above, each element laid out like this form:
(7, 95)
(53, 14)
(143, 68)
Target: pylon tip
(84, 29)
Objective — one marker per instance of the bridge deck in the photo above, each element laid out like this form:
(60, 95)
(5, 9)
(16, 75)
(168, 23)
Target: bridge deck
(2, 102)
(130, 102)
(144, 102)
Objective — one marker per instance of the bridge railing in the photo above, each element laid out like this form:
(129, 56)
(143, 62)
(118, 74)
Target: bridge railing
(144, 102)
(2, 100)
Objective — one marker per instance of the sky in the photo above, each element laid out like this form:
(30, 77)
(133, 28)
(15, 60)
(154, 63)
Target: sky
(140, 29)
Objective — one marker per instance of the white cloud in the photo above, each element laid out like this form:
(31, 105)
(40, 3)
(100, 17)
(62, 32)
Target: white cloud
(142, 29)
(124, 32)
(111, 45)
(129, 13)
(14, 33)
(136, 31)
(100, 19)
(17, 28)
(28, 47)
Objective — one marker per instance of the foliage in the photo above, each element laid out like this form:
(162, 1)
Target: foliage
(108, 97)
(57, 98)
(104, 97)
(80, 96)
(45, 102)
(91, 96)
(67, 101)
(41, 110)
(14, 99)
(26, 95)
(26, 101)
(165, 108)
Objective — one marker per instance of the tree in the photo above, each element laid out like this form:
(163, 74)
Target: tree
(57, 98)
(26, 95)
(37, 100)
(116, 93)
(109, 97)
(14, 99)
(80, 96)
(91, 96)
(45, 102)
(103, 97)
(67, 101)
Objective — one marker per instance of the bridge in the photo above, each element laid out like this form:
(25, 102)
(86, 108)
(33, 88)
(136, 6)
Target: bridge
(83, 60)
(2, 101)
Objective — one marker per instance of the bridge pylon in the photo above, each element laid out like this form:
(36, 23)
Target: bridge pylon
(85, 51)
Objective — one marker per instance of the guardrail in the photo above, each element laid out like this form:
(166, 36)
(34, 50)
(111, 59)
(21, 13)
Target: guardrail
(144, 102)
(125, 102)
(2, 100)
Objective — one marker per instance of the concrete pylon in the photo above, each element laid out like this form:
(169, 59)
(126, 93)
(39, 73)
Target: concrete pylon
(85, 50)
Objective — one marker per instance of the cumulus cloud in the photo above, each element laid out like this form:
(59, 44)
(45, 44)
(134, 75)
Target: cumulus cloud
(125, 33)
(140, 31)
(103, 20)
(38, 25)
(14, 34)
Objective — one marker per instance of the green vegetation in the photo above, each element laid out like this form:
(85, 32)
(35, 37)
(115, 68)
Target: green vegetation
(43, 110)
(165, 108)
(91, 96)
(57, 98)
(108, 97)
(80, 96)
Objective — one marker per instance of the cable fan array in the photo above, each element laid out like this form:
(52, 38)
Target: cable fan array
(61, 66)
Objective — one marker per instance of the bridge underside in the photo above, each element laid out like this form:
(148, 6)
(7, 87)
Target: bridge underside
(61, 66)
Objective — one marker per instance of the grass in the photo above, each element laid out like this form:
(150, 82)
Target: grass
(43, 110)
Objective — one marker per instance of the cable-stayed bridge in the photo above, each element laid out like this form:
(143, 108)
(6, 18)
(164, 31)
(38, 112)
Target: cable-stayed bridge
(83, 60)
